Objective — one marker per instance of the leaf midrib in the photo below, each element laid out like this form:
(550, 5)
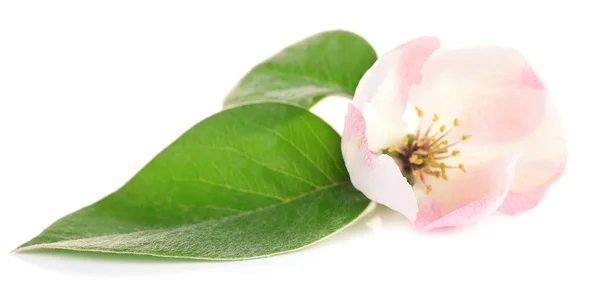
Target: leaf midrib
(220, 219)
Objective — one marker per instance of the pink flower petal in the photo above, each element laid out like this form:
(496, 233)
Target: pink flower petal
(464, 198)
(492, 91)
(505, 119)
(540, 165)
(387, 82)
(529, 79)
(378, 177)
(467, 214)
(382, 92)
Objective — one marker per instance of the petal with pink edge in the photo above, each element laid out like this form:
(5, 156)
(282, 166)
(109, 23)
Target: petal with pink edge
(382, 92)
(542, 163)
(376, 176)
(492, 90)
(389, 79)
(464, 198)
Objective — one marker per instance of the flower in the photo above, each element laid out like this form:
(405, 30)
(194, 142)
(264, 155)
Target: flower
(448, 136)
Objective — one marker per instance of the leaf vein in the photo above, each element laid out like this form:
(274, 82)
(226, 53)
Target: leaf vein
(293, 145)
(68, 242)
(234, 150)
(327, 150)
(196, 179)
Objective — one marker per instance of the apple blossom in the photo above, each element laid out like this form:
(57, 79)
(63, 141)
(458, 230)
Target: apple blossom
(447, 136)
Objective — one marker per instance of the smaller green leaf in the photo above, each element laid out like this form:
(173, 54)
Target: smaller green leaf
(248, 182)
(328, 63)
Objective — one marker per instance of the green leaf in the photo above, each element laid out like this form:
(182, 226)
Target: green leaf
(328, 63)
(252, 181)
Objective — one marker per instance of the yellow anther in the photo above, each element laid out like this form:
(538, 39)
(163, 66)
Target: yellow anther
(427, 170)
(422, 152)
(428, 189)
(417, 174)
(443, 169)
(434, 164)
(440, 144)
(435, 118)
(456, 122)
(444, 151)
(466, 136)
(419, 112)
(442, 128)
(420, 143)
(455, 153)
(405, 140)
(437, 174)
(415, 159)
(430, 139)
(393, 148)
(462, 168)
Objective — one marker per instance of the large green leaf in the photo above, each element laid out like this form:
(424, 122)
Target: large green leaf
(251, 181)
(328, 63)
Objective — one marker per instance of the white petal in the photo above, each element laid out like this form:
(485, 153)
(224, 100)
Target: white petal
(382, 93)
(492, 91)
(541, 164)
(376, 176)
(388, 79)
(465, 197)
(381, 132)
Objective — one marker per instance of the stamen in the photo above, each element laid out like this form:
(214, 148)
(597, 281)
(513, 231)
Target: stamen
(419, 112)
(443, 168)
(424, 152)
(440, 144)
(418, 174)
(427, 131)
(415, 159)
(405, 140)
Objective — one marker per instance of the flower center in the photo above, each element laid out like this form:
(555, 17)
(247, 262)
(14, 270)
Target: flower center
(421, 156)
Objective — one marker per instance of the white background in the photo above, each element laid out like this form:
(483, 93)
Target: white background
(91, 90)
